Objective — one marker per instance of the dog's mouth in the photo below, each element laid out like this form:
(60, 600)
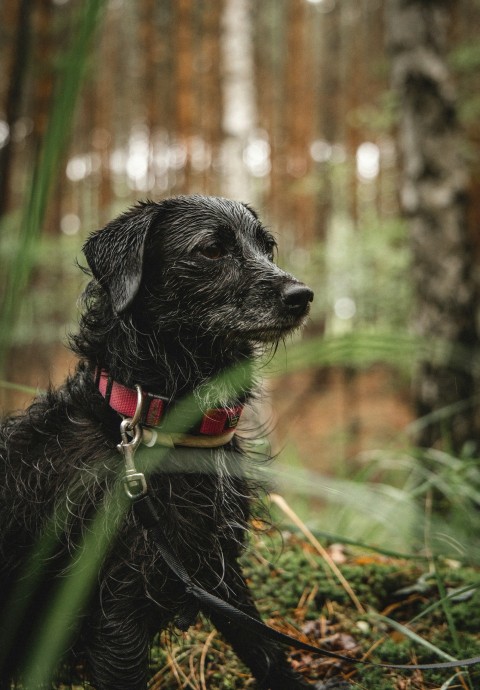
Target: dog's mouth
(279, 322)
(269, 333)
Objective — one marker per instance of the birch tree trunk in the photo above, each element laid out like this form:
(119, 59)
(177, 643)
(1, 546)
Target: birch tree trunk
(434, 196)
(239, 105)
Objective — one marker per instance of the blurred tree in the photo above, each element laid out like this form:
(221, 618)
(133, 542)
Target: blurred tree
(209, 86)
(434, 196)
(327, 108)
(184, 91)
(269, 40)
(46, 55)
(270, 102)
(53, 115)
(240, 116)
(299, 116)
(18, 21)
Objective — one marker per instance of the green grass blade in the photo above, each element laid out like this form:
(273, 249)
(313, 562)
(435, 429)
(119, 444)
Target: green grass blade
(72, 594)
(47, 165)
(413, 636)
(18, 387)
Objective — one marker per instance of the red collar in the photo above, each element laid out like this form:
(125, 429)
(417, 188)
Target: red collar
(123, 400)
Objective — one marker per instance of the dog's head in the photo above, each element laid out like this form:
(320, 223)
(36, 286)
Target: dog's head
(204, 265)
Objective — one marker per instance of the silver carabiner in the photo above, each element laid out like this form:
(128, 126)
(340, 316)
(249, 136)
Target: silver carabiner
(135, 482)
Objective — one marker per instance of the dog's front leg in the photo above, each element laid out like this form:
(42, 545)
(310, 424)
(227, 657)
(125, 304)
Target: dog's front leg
(117, 643)
(266, 659)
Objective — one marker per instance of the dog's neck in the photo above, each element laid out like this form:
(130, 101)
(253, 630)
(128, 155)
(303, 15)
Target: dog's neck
(173, 365)
(170, 363)
(213, 378)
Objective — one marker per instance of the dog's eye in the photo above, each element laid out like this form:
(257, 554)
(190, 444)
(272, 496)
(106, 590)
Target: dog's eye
(212, 251)
(270, 250)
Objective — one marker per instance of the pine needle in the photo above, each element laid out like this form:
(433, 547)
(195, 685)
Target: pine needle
(281, 503)
(203, 659)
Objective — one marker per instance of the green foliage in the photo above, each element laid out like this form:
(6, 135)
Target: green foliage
(368, 265)
(358, 349)
(466, 57)
(43, 315)
(465, 60)
(378, 117)
(466, 612)
(386, 500)
(284, 571)
(469, 111)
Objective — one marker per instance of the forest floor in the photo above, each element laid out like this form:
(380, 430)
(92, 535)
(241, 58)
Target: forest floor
(374, 604)
(298, 592)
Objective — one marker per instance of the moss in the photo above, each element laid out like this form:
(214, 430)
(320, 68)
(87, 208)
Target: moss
(294, 587)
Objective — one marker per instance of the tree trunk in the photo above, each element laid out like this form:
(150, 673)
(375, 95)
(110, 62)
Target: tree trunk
(299, 122)
(238, 93)
(209, 96)
(434, 195)
(14, 94)
(184, 82)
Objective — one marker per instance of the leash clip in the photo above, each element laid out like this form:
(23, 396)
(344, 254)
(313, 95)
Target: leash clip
(134, 482)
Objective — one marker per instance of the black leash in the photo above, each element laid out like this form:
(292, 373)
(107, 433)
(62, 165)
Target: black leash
(136, 490)
(147, 515)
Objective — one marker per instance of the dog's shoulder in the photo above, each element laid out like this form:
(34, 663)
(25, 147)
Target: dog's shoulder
(53, 418)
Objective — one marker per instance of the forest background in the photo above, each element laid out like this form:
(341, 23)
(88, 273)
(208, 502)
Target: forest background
(353, 126)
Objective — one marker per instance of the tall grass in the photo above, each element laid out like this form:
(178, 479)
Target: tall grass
(71, 74)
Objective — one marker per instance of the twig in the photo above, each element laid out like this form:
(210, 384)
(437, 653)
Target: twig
(283, 505)
(203, 659)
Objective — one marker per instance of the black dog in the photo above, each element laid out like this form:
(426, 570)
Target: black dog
(184, 292)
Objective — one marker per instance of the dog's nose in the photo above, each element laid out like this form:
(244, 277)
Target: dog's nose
(296, 297)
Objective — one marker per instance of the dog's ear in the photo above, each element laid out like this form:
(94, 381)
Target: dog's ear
(115, 254)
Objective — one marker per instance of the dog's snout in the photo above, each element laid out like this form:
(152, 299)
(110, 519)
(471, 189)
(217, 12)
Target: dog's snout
(296, 297)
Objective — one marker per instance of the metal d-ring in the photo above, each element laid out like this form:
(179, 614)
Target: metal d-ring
(137, 416)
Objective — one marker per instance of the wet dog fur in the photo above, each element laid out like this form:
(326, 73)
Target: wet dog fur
(181, 291)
